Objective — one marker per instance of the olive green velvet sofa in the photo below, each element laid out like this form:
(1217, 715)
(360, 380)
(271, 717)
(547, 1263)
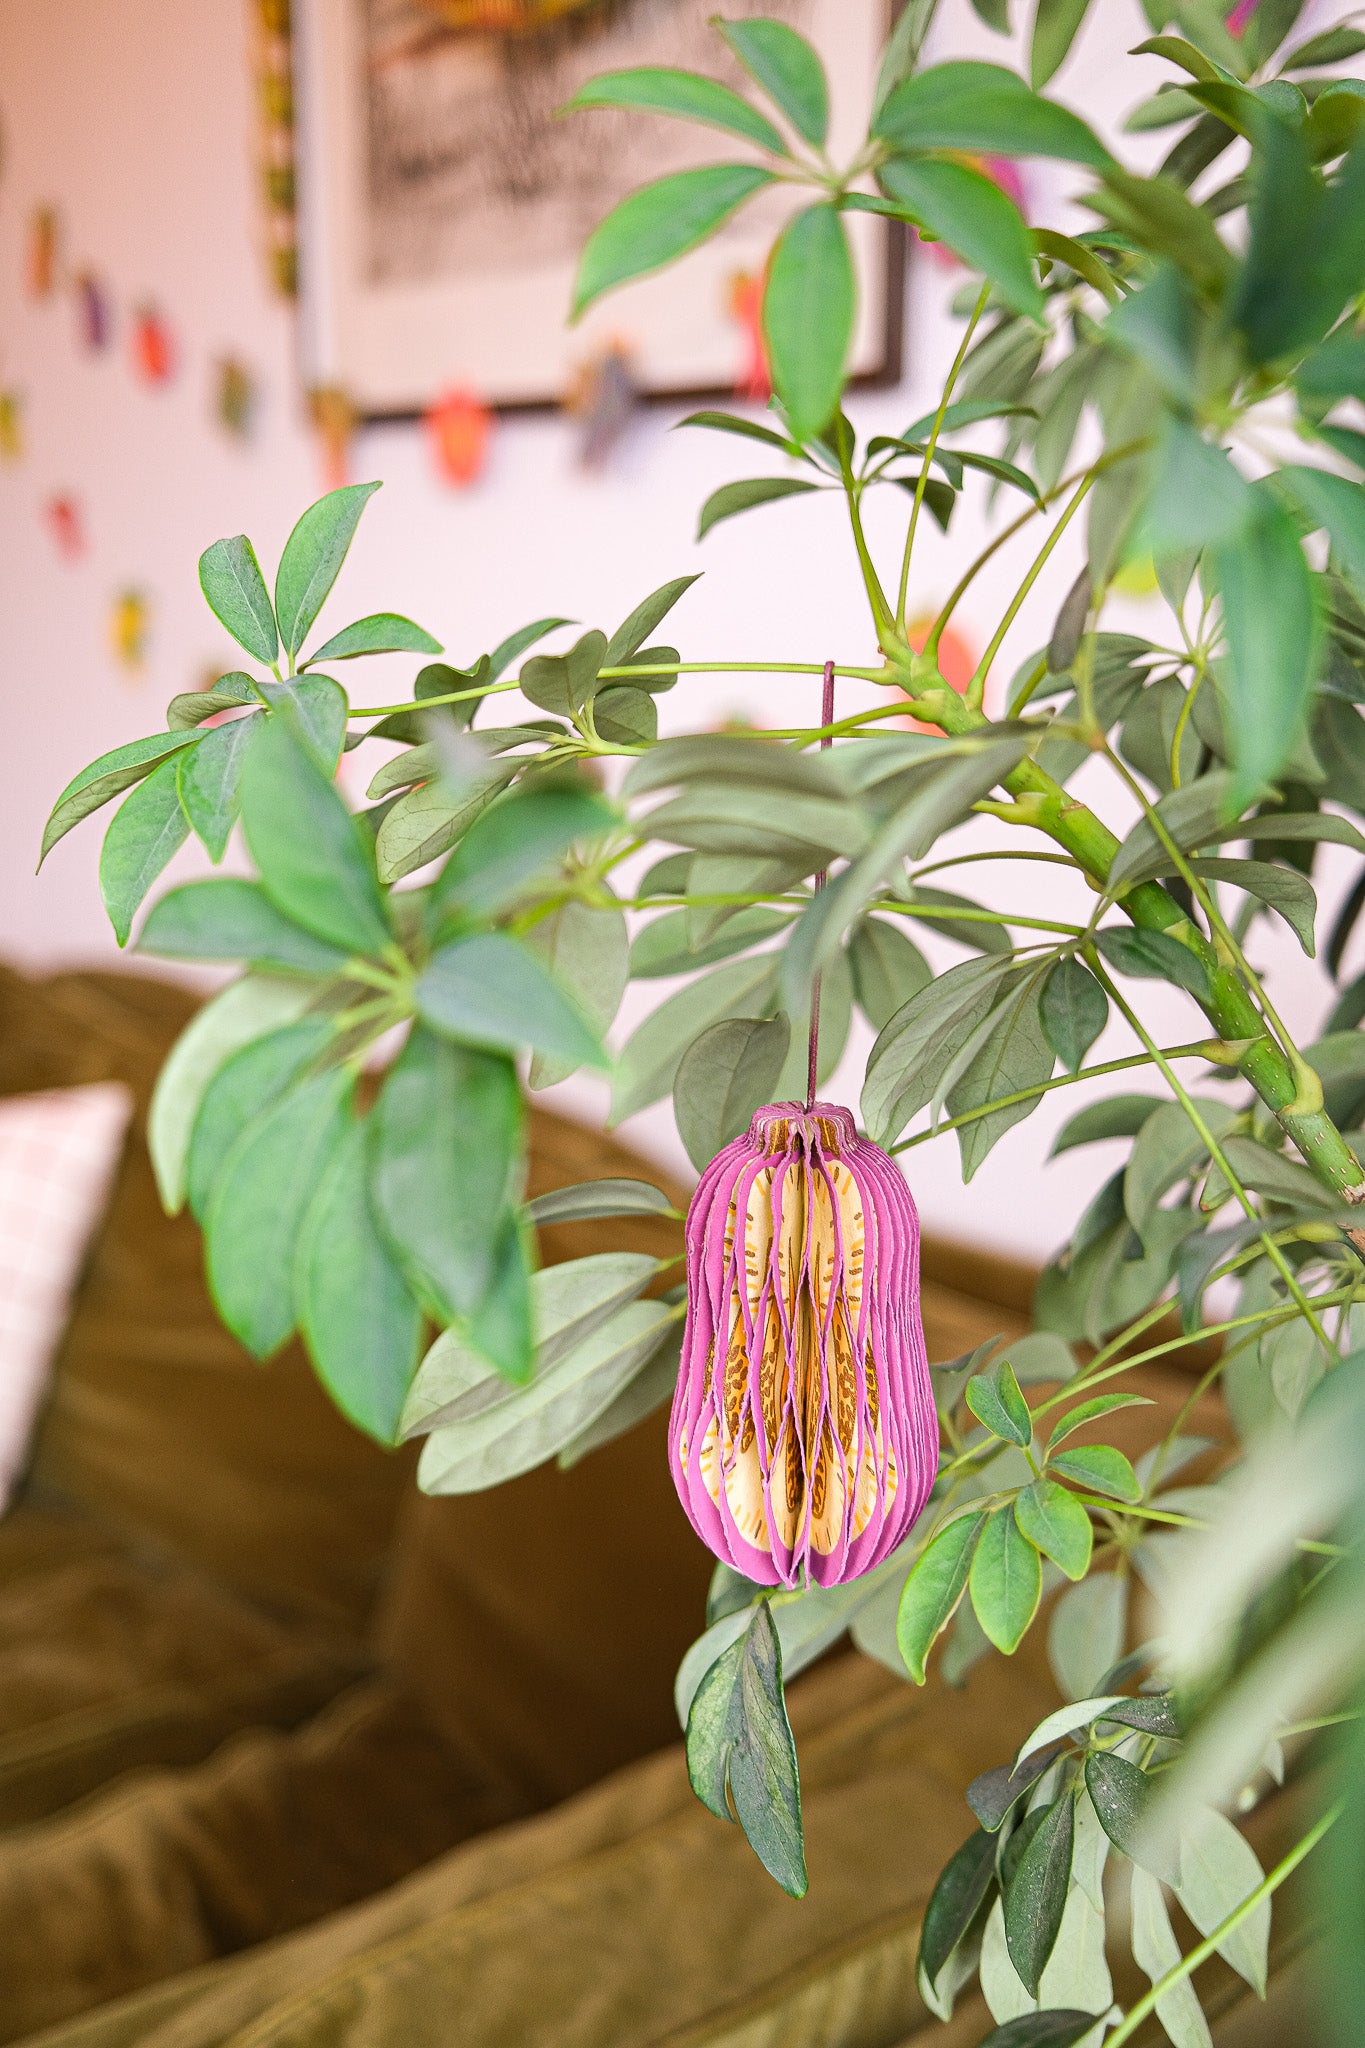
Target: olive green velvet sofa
(293, 1757)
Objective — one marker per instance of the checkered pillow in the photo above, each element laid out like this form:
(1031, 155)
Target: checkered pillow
(58, 1151)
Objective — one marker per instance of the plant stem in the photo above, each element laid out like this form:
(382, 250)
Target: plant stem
(976, 688)
(681, 668)
(1187, 1965)
(934, 432)
(813, 1043)
(1044, 804)
(1211, 1144)
(1133, 1059)
(876, 596)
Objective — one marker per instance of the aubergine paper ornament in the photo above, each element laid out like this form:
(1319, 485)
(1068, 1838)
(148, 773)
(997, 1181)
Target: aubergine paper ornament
(92, 312)
(804, 1438)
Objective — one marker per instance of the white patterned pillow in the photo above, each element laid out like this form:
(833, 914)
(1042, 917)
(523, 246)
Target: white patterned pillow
(58, 1151)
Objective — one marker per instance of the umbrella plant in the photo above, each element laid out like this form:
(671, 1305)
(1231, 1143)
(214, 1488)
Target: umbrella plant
(1176, 381)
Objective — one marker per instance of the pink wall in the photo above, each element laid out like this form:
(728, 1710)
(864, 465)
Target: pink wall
(135, 117)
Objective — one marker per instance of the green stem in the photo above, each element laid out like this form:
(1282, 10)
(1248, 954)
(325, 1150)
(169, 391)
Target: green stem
(934, 432)
(1285, 1312)
(1045, 805)
(681, 668)
(970, 1116)
(976, 688)
(1187, 1965)
(876, 596)
(1212, 1146)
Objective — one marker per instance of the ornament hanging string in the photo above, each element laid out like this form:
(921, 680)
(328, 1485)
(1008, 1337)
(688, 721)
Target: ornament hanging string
(826, 720)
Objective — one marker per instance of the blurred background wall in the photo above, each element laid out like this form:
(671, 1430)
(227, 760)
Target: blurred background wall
(138, 121)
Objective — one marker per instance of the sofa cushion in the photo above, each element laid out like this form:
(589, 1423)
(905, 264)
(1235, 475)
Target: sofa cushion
(157, 1421)
(168, 1869)
(115, 1657)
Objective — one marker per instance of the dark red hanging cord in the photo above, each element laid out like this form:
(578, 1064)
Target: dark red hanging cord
(826, 720)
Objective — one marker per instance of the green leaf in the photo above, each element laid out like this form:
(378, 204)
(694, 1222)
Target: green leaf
(104, 778)
(426, 822)
(225, 918)
(564, 683)
(570, 1302)
(659, 223)
(1102, 1469)
(1167, 1150)
(379, 633)
(994, 1398)
(246, 1084)
(975, 106)
(648, 1064)
(1337, 504)
(231, 580)
(513, 843)
(229, 693)
(315, 865)
(146, 831)
(1087, 1631)
(964, 1882)
(1335, 369)
(587, 951)
(507, 651)
(1035, 1897)
(1334, 46)
(749, 430)
(1120, 1793)
(360, 1322)
(312, 558)
(994, 1795)
(1059, 2027)
(1090, 1411)
(590, 1200)
(787, 68)
(626, 717)
(809, 302)
(664, 946)
(246, 1010)
(1291, 894)
(1074, 1011)
(1011, 1055)
(1006, 1582)
(657, 90)
(1153, 956)
(1055, 1523)
(726, 1074)
(731, 499)
(632, 634)
(259, 1199)
(974, 218)
(1119, 1116)
(933, 1590)
(446, 1166)
(500, 1328)
(1218, 1870)
(652, 1384)
(1156, 1953)
(1054, 30)
(914, 1048)
(740, 1748)
(210, 781)
(491, 991)
(887, 969)
(518, 1428)
(1271, 623)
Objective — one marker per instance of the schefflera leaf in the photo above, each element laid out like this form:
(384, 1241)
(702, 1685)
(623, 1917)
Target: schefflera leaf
(740, 1749)
(361, 1323)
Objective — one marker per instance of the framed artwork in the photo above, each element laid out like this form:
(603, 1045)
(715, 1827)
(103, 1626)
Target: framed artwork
(442, 204)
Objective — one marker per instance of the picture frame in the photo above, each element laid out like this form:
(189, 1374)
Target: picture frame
(442, 205)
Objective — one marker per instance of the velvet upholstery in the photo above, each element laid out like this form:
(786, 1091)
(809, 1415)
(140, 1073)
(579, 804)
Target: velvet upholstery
(277, 1734)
